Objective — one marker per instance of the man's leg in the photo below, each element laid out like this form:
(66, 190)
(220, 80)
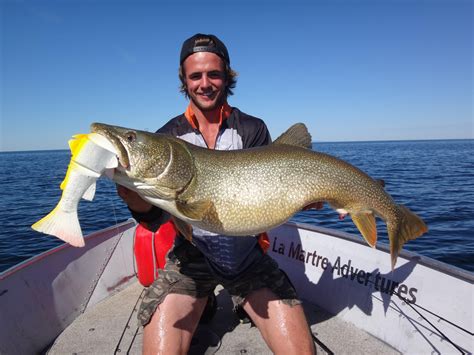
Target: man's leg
(284, 327)
(172, 325)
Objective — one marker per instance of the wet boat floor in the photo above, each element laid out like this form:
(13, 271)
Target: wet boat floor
(111, 327)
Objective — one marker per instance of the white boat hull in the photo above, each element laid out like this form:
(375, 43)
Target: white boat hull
(343, 275)
(42, 296)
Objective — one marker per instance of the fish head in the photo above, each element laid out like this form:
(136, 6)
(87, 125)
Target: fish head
(139, 153)
(154, 158)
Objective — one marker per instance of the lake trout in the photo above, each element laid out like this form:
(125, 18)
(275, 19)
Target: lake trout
(246, 192)
(91, 156)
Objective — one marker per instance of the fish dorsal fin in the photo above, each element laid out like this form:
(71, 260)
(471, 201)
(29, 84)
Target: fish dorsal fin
(365, 222)
(296, 135)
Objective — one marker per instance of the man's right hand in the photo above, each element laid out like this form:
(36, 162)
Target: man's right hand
(133, 200)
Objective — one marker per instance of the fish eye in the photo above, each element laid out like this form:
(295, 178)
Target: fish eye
(131, 136)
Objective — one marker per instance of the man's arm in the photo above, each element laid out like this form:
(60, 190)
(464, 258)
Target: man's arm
(142, 211)
(133, 200)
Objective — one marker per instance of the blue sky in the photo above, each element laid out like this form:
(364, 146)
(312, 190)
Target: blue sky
(350, 70)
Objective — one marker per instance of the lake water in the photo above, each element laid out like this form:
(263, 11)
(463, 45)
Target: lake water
(435, 179)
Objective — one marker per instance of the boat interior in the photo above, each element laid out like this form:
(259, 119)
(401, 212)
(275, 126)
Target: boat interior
(111, 326)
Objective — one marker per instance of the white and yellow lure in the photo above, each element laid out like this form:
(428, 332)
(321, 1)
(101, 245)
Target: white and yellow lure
(92, 157)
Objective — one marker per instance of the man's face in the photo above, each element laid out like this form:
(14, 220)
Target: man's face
(205, 80)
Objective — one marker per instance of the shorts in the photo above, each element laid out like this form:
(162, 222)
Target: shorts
(187, 272)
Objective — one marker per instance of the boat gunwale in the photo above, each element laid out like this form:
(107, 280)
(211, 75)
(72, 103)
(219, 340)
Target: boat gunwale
(117, 228)
(431, 263)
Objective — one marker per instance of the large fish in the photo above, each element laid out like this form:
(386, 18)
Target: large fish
(245, 192)
(91, 157)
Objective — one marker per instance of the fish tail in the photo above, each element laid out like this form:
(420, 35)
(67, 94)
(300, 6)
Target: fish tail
(407, 226)
(62, 224)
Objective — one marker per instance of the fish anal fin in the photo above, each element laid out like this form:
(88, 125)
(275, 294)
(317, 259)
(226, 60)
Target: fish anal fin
(195, 210)
(296, 135)
(365, 222)
(183, 228)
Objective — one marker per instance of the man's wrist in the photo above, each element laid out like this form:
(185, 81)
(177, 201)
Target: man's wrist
(151, 215)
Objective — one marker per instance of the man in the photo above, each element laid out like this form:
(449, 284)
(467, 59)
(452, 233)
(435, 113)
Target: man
(173, 304)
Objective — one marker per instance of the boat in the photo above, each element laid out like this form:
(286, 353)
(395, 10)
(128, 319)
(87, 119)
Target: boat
(84, 300)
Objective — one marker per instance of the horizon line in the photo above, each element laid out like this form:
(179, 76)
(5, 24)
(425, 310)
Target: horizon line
(312, 142)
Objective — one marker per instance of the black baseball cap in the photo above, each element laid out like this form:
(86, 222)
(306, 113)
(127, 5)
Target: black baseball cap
(215, 46)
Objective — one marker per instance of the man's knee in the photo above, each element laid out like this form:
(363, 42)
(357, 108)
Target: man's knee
(172, 326)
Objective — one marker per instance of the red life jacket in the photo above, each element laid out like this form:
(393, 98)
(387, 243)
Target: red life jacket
(150, 249)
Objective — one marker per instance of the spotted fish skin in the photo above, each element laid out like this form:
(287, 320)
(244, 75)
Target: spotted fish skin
(246, 192)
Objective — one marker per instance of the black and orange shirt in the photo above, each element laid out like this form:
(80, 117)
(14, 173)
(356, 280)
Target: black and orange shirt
(237, 130)
(226, 255)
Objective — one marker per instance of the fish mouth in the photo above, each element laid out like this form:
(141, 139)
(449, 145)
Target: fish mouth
(113, 138)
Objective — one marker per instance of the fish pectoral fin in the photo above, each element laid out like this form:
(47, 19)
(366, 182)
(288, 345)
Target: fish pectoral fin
(183, 228)
(162, 193)
(296, 135)
(365, 222)
(194, 210)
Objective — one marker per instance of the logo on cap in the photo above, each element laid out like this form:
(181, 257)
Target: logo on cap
(204, 43)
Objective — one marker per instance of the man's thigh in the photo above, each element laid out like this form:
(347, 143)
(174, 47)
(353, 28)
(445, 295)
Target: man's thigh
(172, 325)
(185, 273)
(283, 326)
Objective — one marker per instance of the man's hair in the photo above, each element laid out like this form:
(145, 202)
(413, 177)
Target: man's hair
(230, 76)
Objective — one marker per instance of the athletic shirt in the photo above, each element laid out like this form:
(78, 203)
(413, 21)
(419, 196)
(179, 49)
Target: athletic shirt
(227, 256)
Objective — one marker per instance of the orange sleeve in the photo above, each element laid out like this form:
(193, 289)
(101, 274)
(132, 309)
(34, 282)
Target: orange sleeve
(264, 241)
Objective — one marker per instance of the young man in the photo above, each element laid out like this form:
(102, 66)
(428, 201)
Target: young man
(173, 304)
